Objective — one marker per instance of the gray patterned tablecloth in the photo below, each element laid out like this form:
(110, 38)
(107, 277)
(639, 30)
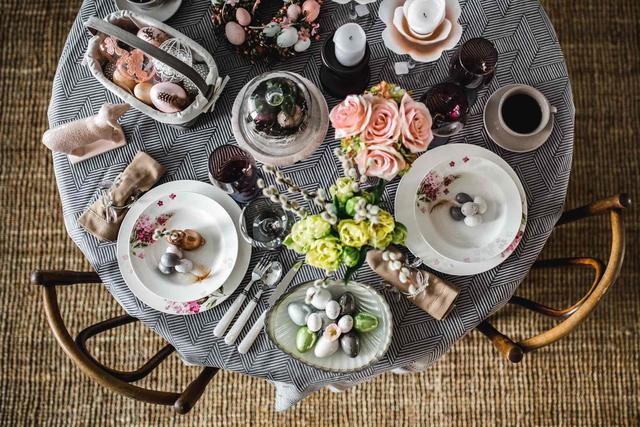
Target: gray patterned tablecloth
(529, 53)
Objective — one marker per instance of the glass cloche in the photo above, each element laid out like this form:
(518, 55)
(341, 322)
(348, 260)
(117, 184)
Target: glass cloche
(280, 115)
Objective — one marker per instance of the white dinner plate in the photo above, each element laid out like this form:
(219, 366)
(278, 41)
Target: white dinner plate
(213, 262)
(477, 177)
(404, 210)
(163, 304)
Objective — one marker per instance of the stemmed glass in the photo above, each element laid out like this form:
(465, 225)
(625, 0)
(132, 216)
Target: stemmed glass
(265, 224)
(234, 170)
(449, 107)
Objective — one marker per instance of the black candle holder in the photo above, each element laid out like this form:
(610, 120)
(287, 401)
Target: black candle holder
(338, 80)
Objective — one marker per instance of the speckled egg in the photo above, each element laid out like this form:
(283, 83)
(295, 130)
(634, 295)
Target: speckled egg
(314, 322)
(152, 35)
(332, 309)
(243, 17)
(142, 91)
(311, 10)
(345, 323)
(235, 33)
(168, 97)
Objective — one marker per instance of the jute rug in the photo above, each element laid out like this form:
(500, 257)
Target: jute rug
(589, 378)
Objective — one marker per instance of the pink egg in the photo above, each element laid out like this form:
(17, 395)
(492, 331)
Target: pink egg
(311, 9)
(235, 33)
(168, 97)
(293, 12)
(243, 17)
(152, 35)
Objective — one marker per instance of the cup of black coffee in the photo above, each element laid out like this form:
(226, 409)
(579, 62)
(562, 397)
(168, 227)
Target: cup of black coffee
(524, 111)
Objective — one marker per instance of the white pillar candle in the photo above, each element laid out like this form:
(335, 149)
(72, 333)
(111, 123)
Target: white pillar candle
(424, 16)
(350, 44)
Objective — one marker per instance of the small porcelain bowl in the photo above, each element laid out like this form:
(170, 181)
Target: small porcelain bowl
(373, 345)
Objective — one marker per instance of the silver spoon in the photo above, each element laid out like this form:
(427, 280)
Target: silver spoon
(269, 279)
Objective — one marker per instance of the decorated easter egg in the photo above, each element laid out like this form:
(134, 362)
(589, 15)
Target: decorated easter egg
(124, 81)
(152, 35)
(168, 97)
(314, 322)
(305, 339)
(243, 17)
(347, 303)
(332, 309)
(350, 344)
(320, 298)
(235, 33)
(345, 323)
(142, 91)
(311, 10)
(287, 37)
(325, 347)
(302, 45)
(293, 12)
(365, 322)
(203, 70)
(298, 313)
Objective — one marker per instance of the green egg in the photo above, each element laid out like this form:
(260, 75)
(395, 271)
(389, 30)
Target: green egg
(365, 322)
(305, 339)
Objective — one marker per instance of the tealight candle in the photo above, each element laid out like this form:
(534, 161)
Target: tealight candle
(350, 44)
(424, 16)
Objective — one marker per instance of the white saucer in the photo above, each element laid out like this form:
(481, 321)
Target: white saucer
(502, 138)
(161, 12)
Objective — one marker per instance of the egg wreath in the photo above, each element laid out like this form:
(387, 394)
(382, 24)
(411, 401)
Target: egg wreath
(290, 30)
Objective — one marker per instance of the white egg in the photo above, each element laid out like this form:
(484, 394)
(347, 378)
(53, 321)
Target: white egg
(482, 204)
(321, 298)
(185, 266)
(173, 249)
(332, 309)
(314, 322)
(345, 323)
(473, 221)
(325, 347)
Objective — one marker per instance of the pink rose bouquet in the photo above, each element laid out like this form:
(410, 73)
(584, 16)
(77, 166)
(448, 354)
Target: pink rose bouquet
(383, 130)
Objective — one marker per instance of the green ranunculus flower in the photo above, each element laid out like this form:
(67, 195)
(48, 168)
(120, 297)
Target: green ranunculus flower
(350, 256)
(342, 189)
(381, 233)
(325, 253)
(399, 234)
(305, 232)
(353, 234)
(350, 207)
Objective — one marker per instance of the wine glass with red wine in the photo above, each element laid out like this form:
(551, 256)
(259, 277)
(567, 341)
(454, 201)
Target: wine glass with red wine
(234, 170)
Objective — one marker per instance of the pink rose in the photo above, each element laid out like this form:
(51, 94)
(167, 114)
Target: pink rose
(381, 161)
(350, 116)
(383, 127)
(415, 122)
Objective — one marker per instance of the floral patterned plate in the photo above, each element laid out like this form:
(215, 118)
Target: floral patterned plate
(163, 304)
(213, 262)
(405, 206)
(477, 177)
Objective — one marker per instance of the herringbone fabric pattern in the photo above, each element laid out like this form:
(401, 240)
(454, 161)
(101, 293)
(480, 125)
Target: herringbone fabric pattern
(590, 378)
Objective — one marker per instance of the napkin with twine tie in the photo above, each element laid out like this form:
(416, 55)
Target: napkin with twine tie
(103, 217)
(429, 292)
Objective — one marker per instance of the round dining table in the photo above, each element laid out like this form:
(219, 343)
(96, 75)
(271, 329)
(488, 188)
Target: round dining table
(529, 53)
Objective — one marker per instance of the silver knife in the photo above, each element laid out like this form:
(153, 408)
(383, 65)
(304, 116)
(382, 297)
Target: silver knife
(253, 333)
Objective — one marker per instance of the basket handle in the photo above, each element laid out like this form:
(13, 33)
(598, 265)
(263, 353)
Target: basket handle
(150, 50)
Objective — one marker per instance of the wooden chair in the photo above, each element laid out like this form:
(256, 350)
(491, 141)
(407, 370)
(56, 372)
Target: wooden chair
(604, 277)
(115, 380)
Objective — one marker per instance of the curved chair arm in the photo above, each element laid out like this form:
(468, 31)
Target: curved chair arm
(181, 402)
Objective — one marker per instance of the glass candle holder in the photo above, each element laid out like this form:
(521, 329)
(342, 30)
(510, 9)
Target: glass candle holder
(474, 64)
(449, 108)
(234, 170)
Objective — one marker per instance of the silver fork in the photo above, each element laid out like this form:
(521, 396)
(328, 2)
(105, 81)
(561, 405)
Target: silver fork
(256, 274)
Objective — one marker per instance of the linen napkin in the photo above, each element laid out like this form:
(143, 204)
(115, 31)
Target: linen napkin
(430, 293)
(103, 217)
